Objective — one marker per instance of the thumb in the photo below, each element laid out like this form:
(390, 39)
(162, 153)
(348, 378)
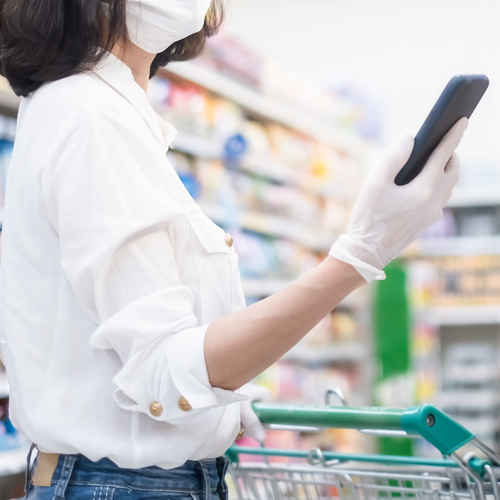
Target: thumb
(395, 157)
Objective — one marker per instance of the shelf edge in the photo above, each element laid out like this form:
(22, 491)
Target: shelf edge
(264, 106)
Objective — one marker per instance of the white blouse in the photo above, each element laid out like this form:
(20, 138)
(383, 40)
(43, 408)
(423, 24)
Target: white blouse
(110, 276)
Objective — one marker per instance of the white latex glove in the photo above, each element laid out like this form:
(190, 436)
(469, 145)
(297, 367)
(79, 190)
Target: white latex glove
(386, 218)
(250, 421)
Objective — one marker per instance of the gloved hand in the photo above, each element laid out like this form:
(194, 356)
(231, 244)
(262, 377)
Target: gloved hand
(251, 423)
(386, 218)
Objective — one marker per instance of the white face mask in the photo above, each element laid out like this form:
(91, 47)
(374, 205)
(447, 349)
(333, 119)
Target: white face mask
(154, 25)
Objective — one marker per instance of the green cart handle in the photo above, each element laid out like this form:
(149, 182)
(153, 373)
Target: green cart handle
(427, 421)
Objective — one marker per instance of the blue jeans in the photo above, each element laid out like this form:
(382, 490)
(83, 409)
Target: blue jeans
(78, 478)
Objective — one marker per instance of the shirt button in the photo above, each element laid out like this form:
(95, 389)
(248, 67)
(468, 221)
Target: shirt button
(229, 240)
(184, 404)
(156, 409)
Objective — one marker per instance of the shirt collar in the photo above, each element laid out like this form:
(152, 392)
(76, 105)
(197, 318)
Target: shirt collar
(119, 76)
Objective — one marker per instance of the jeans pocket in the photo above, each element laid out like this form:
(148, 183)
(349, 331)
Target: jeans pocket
(172, 496)
(88, 492)
(125, 494)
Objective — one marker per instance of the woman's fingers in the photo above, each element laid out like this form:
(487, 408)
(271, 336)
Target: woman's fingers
(452, 170)
(439, 159)
(396, 157)
(453, 166)
(398, 153)
(251, 423)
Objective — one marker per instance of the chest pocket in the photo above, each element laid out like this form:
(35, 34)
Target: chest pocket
(212, 238)
(217, 264)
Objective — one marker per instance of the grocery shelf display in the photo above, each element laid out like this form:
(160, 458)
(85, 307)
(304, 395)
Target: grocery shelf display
(7, 134)
(455, 292)
(13, 445)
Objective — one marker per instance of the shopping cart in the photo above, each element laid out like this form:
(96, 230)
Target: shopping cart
(329, 475)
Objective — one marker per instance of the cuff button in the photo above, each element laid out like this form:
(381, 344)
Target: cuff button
(156, 409)
(184, 404)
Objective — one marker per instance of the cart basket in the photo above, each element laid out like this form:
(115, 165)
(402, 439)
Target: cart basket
(317, 474)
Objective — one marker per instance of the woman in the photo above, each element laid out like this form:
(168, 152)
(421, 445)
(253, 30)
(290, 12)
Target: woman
(125, 333)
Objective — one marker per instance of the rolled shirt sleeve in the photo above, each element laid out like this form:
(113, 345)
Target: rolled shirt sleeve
(115, 203)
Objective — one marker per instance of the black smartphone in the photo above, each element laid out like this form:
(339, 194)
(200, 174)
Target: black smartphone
(459, 98)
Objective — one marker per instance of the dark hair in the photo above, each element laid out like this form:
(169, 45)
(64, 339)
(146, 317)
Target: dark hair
(45, 40)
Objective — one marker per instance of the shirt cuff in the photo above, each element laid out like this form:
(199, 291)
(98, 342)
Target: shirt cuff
(169, 380)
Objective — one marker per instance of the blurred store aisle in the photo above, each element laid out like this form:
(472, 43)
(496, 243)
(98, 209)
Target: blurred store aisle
(402, 51)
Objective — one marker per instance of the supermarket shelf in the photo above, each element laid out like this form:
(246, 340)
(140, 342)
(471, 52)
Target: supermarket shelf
(286, 228)
(263, 287)
(266, 287)
(275, 172)
(279, 227)
(9, 102)
(208, 149)
(13, 461)
(264, 106)
(359, 300)
(211, 150)
(197, 146)
(280, 173)
(466, 315)
(4, 385)
(470, 197)
(327, 354)
(465, 245)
